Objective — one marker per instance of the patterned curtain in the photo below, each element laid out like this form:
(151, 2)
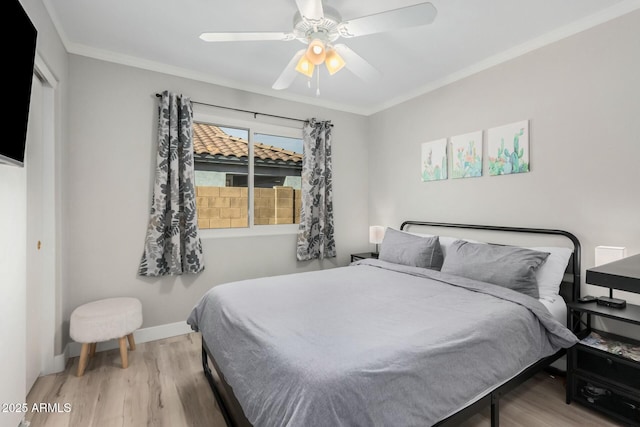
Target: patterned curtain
(315, 234)
(172, 245)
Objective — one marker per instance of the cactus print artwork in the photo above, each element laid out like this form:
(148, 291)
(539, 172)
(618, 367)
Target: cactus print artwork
(466, 154)
(434, 160)
(509, 149)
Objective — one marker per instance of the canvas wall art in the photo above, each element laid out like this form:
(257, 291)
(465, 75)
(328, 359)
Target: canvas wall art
(434, 160)
(508, 148)
(466, 154)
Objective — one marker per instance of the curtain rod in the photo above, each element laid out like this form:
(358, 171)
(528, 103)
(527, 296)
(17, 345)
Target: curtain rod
(255, 113)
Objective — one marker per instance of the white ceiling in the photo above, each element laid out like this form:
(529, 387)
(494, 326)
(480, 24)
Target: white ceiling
(466, 36)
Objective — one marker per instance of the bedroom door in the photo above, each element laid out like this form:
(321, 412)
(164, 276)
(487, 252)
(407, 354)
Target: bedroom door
(34, 165)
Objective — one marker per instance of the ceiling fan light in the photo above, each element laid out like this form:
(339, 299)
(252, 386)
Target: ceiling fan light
(316, 52)
(334, 62)
(305, 66)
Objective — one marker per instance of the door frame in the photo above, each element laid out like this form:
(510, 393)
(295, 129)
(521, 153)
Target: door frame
(50, 301)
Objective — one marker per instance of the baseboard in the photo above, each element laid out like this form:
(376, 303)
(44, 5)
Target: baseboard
(60, 360)
(152, 333)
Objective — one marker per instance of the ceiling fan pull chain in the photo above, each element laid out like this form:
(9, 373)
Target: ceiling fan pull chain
(318, 83)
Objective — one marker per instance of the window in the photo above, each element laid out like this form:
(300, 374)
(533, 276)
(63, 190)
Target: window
(277, 169)
(228, 186)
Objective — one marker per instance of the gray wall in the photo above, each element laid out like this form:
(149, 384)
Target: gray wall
(110, 159)
(582, 97)
(13, 232)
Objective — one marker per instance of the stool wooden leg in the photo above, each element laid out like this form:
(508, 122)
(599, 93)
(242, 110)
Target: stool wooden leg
(92, 349)
(123, 352)
(83, 359)
(132, 343)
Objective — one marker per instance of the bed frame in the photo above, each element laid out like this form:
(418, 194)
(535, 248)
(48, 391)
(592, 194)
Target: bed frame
(569, 290)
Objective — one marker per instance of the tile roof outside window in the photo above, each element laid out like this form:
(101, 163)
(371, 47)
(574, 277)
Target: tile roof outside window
(210, 139)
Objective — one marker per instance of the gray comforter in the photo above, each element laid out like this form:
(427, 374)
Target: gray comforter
(371, 344)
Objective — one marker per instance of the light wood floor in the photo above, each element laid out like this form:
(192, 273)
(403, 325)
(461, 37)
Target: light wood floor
(164, 386)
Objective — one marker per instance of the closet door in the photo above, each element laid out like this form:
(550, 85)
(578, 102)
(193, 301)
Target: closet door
(34, 164)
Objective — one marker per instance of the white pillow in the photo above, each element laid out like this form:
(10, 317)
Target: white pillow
(549, 275)
(551, 272)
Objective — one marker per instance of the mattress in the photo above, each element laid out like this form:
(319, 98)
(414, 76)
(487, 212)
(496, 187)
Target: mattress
(557, 308)
(369, 344)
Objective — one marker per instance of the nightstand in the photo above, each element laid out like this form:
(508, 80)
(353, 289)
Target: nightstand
(363, 255)
(603, 370)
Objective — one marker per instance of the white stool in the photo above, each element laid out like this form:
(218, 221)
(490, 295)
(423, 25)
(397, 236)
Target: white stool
(104, 320)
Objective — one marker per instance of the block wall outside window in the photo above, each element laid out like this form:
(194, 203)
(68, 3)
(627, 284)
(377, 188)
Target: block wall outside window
(222, 207)
(226, 207)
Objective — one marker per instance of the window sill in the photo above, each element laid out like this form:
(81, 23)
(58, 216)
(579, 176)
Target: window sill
(256, 230)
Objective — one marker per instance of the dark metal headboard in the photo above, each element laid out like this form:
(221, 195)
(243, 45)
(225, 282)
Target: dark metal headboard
(570, 291)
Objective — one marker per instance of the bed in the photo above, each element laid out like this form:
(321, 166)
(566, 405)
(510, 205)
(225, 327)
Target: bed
(383, 342)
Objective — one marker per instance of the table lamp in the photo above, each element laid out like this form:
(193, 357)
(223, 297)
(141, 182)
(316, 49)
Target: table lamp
(376, 234)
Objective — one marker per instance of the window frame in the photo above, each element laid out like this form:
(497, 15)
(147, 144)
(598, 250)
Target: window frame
(253, 127)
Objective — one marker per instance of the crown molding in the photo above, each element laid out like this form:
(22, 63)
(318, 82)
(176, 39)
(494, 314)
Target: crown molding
(56, 23)
(569, 30)
(620, 9)
(136, 62)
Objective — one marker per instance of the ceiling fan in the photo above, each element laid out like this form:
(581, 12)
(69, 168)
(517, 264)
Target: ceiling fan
(320, 26)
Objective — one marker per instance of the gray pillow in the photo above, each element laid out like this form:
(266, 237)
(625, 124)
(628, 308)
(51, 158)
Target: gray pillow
(508, 266)
(407, 249)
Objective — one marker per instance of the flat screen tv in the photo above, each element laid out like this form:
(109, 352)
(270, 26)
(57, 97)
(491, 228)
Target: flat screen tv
(19, 73)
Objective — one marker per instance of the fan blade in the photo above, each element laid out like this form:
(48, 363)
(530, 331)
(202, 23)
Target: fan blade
(405, 17)
(310, 9)
(289, 74)
(356, 64)
(244, 37)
